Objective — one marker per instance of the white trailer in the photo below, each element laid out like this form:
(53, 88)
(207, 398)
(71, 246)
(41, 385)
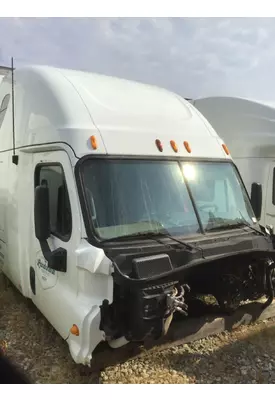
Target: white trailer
(118, 200)
(3, 72)
(248, 128)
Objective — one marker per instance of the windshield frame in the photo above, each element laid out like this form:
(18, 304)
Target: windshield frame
(97, 241)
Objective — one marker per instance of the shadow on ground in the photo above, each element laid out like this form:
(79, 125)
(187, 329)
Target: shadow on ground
(34, 345)
(247, 355)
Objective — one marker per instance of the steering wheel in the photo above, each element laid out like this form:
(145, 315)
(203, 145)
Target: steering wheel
(155, 220)
(169, 219)
(216, 208)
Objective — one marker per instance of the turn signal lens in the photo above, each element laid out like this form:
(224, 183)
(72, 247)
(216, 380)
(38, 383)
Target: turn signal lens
(74, 330)
(93, 142)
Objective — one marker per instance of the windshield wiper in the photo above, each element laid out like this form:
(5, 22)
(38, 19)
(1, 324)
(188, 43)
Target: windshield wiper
(248, 225)
(150, 235)
(226, 226)
(239, 224)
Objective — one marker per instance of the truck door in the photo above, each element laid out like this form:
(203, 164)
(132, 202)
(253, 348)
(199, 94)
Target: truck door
(54, 292)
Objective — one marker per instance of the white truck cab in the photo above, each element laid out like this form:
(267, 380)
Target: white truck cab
(118, 200)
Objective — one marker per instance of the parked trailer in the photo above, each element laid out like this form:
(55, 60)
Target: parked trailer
(248, 129)
(4, 71)
(119, 204)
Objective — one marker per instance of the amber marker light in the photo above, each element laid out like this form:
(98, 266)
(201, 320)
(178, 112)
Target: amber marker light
(174, 146)
(187, 146)
(93, 142)
(159, 145)
(74, 330)
(225, 149)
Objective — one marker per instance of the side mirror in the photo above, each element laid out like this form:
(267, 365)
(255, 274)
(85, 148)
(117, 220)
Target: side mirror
(256, 199)
(57, 259)
(42, 213)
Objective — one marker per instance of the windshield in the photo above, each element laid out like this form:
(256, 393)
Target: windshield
(127, 197)
(219, 195)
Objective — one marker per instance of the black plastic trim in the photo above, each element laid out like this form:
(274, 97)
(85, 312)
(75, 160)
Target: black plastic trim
(121, 278)
(57, 259)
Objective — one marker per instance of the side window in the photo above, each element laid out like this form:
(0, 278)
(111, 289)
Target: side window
(60, 209)
(3, 108)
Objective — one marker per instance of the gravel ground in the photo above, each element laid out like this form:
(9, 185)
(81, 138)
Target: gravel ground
(246, 355)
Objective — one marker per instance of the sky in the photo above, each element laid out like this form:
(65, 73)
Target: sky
(195, 57)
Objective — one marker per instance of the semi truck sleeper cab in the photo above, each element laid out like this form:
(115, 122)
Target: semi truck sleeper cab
(123, 206)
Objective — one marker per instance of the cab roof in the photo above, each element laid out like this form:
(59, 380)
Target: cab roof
(126, 117)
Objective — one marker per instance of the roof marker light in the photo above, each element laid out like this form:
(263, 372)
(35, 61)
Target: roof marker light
(225, 149)
(93, 142)
(187, 146)
(159, 145)
(174, 146)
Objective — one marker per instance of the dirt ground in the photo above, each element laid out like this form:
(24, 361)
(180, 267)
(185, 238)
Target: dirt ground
(246, 355)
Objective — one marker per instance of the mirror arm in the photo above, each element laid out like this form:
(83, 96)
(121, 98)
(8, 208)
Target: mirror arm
(56, 259)
(46, 250)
